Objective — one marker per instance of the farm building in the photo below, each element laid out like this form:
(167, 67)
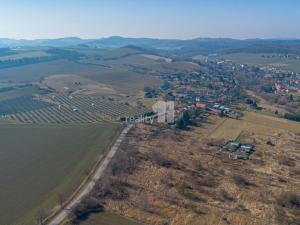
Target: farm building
(237, 150)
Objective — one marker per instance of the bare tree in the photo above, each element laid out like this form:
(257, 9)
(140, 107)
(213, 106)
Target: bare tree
(103, 186)
(131, 157)
(61, 199)
(41, 215)
(87, 171)
(118, 163)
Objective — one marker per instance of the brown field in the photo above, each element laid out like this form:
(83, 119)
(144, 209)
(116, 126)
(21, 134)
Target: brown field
(188, 182)
(152, 65)
(157, 58)
(275, 60)
(267, 106)
(116, 76)
(253, 123)
(67, 83)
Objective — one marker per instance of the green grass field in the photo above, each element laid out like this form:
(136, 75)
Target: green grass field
(107, 218)
(259, 59)
(38, 162)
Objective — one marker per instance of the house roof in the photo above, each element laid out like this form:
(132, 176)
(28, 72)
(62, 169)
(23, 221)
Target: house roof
(200, 105)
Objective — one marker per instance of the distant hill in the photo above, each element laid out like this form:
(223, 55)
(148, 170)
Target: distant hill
(117, 42)
(60, 42)
(223, 46)
(271, 46)
(188, 48)
(123, 52)
(6, 51)
(180, 48)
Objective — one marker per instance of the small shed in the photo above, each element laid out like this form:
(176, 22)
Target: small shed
(246, 148)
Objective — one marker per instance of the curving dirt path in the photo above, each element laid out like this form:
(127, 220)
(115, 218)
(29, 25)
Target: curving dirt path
(58, 219)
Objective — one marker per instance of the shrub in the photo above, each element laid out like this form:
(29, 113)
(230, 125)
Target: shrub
(119, 191)
(241, 181)
(194, 197)
(289, 200)
(208, 181)
(287, 162)
(288, 208)
(226, 196)
(293, 117)
(82, 210)
(158, 159)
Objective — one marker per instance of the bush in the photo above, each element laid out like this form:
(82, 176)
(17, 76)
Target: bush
(208, 181)
(241, 181)
(226, 196)
(194, 197)
(184, 121)
(82, 210)
(289, 200)
(288, 208)
(119, 191)
(158, 159)
(287, 162)
(294, 117)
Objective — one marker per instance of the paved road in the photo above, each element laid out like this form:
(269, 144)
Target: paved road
(90, 185)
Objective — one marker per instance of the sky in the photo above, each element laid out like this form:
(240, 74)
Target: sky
(176, 19)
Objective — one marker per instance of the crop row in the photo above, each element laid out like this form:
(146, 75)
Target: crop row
(21, 104)
(65, 109)
(98, 106)
(55, 115)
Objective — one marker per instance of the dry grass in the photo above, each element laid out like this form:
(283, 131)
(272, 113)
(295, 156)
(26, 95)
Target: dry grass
(66, 83)
(251, 122)
(180, 179)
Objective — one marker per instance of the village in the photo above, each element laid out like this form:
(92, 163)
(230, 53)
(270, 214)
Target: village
(220, 90)
(200, 90)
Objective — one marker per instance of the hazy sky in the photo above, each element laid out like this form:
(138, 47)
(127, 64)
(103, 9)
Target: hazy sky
(31, 19)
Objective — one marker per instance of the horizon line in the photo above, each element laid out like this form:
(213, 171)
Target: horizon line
(158, 38)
